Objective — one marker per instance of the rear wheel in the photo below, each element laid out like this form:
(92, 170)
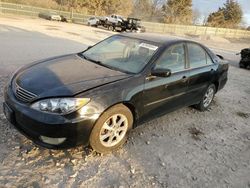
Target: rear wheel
(111, 28)
(207, 98)
(111, 129)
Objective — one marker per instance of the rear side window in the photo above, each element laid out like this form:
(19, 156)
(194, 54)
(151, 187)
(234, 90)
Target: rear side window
(209, 60)
(198, 57)
(173, 58)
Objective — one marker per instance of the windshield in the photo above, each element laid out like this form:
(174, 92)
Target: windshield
(122, 53)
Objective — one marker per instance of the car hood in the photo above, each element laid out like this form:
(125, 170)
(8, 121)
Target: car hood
(65, 76)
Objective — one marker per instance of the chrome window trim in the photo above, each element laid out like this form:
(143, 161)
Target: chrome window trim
(188, 69)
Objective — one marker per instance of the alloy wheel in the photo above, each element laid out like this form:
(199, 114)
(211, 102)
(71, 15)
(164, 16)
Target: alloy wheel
(113, 130)
(209, 95)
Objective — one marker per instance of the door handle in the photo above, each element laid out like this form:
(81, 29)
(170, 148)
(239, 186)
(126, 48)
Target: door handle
(184, 78)
(150, 77)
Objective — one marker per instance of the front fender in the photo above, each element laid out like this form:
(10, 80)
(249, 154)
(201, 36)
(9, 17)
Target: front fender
(129, 90)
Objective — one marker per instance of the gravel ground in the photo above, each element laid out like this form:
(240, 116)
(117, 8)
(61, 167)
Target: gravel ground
(186, 148)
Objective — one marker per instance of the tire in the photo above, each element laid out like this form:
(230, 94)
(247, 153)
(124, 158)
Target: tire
(207, 98)
(111, 28)
(108, 136)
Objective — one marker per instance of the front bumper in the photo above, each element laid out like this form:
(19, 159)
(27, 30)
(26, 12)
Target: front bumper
(35, 125)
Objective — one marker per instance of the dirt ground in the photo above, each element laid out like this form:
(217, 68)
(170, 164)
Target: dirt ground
(186, 148)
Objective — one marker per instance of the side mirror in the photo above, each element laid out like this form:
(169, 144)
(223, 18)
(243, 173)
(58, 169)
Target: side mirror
(220, 56)
(159, 72)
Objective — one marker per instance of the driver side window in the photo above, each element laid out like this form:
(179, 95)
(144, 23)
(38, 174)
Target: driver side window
(173, 58)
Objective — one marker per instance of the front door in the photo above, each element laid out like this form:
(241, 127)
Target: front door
(164, 94)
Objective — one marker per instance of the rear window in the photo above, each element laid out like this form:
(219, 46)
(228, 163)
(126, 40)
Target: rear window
(197, 55)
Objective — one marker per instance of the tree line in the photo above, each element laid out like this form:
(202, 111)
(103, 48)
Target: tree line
(182, 12)
(164, 11)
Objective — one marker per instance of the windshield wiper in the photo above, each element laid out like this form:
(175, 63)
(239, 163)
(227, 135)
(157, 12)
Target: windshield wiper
(92, 60)
(97, 62)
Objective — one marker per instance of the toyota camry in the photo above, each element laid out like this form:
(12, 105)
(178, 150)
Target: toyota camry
(97, 96)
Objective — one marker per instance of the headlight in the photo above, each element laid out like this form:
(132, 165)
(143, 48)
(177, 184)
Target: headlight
(60, 105)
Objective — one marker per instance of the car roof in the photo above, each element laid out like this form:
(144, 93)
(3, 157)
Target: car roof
(154, 38)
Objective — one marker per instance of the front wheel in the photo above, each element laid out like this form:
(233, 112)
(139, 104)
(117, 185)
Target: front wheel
(111, 129)
(207, 98)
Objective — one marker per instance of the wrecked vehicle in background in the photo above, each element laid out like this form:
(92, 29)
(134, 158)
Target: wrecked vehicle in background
(134, 25)
(50, 16)
(121, 24)
(245, 58)
(111, 22)
(131, 24)
(93, 21)
(64, 18)
(113, 19)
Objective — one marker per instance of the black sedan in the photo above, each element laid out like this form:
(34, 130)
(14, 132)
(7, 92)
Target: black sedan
(96, 96)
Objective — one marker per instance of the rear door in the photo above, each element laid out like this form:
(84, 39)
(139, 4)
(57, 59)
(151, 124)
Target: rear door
(202, 72)
(164, 94)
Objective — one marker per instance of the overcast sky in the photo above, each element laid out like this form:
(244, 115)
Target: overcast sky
(207, 6)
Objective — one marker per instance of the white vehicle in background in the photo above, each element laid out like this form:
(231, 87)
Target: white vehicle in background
(93, 21)
(55, 17)
(50, 16)
(114, 19)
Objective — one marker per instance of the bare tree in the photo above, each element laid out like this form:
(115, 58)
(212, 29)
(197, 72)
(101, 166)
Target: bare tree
(150, 10)
(196, 16)
(178, 11)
